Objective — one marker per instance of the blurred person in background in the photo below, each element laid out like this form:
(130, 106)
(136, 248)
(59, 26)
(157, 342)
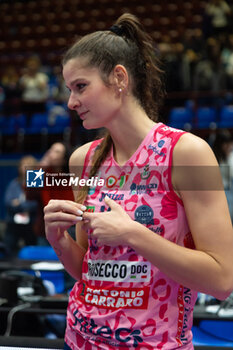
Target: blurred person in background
(194, 48)
(209, 75)
(12, 92)
(20, 211)
(219, 13)
(56, 160)
(35, 88)
(227, 60)
(176, 65)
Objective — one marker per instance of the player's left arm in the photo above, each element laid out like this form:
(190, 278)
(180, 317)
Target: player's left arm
(197, 179)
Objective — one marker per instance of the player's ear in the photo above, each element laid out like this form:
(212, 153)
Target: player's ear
(120, 77)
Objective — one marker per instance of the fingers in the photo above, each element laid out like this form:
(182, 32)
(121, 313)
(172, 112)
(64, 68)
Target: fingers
(88, 216)
(62, 217)
(111, 203)
(61, 214)
(61, 211)
(64, 206)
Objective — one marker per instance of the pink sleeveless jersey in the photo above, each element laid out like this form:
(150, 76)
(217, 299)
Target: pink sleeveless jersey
(123, 301)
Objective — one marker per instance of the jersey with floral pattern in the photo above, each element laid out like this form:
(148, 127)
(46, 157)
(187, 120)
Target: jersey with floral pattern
(123, 301)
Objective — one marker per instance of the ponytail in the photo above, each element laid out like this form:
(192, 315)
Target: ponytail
(147, 74)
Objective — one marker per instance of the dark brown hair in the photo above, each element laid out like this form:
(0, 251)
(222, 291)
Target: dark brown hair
(133, 48)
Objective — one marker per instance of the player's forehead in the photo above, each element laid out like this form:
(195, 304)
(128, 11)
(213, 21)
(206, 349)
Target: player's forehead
(78, 69)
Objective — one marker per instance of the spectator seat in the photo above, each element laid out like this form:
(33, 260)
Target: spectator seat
(206, 117)
(181, 118)
(44, 253)
(212, 333)
(226, 117)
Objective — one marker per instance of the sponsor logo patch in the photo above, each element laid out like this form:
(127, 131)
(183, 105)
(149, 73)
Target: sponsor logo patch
(115, 298)
(144, 214)
(119, 271)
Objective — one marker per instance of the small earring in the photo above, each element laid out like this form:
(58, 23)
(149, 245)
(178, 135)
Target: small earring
(120, 89)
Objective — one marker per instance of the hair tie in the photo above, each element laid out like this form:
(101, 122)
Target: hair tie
(116, 30)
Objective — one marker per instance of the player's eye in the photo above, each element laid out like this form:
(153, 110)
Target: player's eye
(80, 86)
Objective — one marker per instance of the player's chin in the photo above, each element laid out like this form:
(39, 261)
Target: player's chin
(90, 125)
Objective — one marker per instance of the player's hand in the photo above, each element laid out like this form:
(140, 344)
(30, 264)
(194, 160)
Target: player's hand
(111, 227)
(59, 215)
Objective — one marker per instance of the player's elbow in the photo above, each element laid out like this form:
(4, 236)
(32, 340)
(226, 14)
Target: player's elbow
(222, 294)
(225, 287)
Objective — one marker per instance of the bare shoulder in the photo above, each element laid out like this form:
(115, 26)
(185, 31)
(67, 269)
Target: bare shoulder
(77, 158)
(195, 166)
(193, 150)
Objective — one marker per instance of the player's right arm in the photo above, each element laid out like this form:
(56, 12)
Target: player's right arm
(59, 215)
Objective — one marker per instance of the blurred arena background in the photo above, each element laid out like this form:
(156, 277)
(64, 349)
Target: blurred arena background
(197, 56)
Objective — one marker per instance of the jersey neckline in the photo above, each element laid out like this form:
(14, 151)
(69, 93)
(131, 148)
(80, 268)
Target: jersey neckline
(138, 150)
